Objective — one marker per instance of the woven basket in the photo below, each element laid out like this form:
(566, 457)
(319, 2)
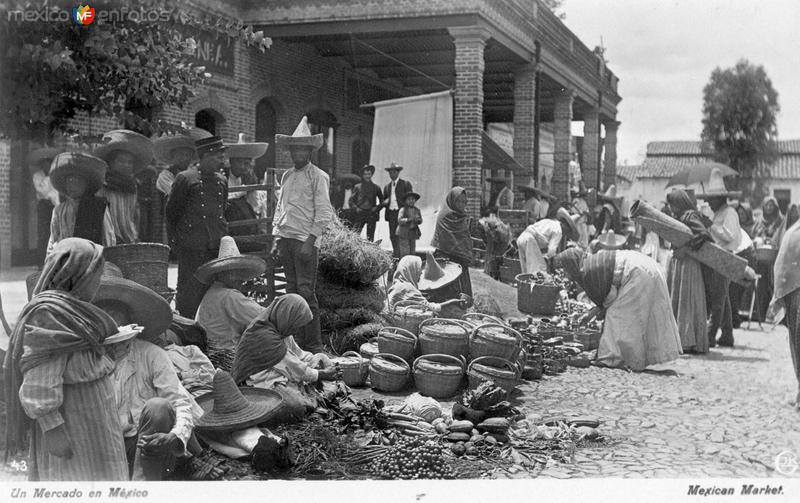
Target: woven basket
(388, 372)
(408, 315)
(355, 368)
(476, 319)
(590, 338)
(766, 255)
(438, 376)
(397, 341)
(144, 263)
(440, 336)
(533, 298)
(492, 339)
(369, 349)
(490, 368)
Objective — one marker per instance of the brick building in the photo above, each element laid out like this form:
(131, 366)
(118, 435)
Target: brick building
(507, 61)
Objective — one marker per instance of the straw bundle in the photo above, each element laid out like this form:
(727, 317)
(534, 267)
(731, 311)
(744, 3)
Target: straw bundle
(335, 297)
(678, 234)
(345, 318)
(347, 259)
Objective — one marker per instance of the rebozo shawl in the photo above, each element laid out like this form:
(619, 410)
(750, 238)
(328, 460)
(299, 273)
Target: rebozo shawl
(686, 211)
(261, 346)
(58, 319)
(594, 273)
(769, 226)
(452, 229)
(405, 282)
(786, 270)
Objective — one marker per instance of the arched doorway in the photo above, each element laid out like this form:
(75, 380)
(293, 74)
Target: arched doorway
(266, 118)
(210, 120)
(359, 156)
(322, 121)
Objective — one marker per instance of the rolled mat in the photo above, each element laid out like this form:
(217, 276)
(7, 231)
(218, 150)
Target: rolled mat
(678, 234)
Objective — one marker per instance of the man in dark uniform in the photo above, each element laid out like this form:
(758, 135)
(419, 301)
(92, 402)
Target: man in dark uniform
(196, 220)
(367, 201)
(394, 194)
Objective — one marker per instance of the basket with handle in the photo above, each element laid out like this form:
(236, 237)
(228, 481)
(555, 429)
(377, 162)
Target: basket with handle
(369, 349)
(442, 336)
(408, 315)
(491, 368)
(476, 319)
(397, 341)
(534, 298)
(355, 368)
(144, 263)
(492, 339)
(438, 376)
(388, 372)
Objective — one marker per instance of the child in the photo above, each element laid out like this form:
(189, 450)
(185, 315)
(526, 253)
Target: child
(408, 221)
(80, 213)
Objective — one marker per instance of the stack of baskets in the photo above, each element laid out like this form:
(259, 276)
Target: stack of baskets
(444, 336)
(438, 376)
(536, 298)
(388, 372)
(355, 368)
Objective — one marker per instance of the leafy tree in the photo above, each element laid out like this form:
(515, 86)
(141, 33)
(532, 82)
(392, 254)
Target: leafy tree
(739, 120)
(127, 66)
(555, 6)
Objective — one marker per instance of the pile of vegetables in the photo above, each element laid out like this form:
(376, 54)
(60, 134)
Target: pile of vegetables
(413, 458)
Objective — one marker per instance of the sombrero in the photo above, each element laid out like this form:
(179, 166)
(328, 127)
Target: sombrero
(164, 146)
(534, 190)
(301, 137)
(242, 150)
(130, 141)
(394, 166)
(147, 308)
(716, 187)
(196, 133)
(438, 273)
(610, 195)
(563, 216)
(230, 260)
(89, 167)
(611, 241)
(41, 154)
(228, 408)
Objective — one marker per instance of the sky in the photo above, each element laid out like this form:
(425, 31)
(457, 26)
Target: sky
(664, 51)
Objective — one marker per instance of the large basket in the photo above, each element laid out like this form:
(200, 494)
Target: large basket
(490, 368)
(388, 372)
(397, 341)
(534, 298)
(441, 336)
(590, 338)
(438, 376)
(493, 339)
(477, 319)
(766, 255)
(408, 315)
(355, 368)
(144, 263)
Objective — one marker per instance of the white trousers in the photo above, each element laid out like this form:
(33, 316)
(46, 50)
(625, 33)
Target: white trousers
(530, 256)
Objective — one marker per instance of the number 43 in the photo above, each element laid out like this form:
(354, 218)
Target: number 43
(20, 466)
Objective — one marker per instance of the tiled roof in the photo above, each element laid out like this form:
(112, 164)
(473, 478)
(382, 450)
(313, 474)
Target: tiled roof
(628, 172)
(692, 148)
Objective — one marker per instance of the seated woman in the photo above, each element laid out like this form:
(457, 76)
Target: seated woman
(268, 357)
(405, 286)
(639, 329)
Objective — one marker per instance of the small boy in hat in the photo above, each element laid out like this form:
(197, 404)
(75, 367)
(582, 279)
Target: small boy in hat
(39, 161)
(394, 194)
(366, 199)
(196, 220)
(81, 214)
(126, 153)
(408, 221)
(302, 214)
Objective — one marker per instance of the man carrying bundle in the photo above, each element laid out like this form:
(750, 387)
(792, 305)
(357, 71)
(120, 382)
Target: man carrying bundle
(302, 215)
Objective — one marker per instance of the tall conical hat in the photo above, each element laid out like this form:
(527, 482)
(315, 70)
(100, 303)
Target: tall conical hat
(227, 408)
(243, 150)
(301, 137)
(436, 274)
(229, 259)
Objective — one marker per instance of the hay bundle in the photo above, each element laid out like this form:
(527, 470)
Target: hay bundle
(348, 260)
(346, 318)
(335, 297)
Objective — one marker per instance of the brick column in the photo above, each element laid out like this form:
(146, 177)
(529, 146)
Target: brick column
(5, 205)
(525, 117)
(468, 112)
(562, 144)
(610, 162)
(591, 149)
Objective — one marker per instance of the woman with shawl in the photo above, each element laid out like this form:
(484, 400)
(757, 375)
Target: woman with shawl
(769, 225)
(405, 286)
(639, 328)
(452, 238)
(268, 357)
(687, 290)
(58, 383)
(746, 220)
(767, 232)
(786, 295)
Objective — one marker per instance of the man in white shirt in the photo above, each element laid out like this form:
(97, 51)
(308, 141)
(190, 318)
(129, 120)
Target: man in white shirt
(394, 194)
(39, 161)
(544, 236)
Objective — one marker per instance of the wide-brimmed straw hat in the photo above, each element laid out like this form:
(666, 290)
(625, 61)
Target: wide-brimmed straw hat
(243, 150)
(301, 137)
(394, 166)
(129, 141)
(531, 189)
(146, 307)
(230, 260)
(563, 216)
(611, 241)
(716, 187)
(91, 168)
(438, 273)
(42, 154)
(229, 408)
(196, 133)
(165, 146)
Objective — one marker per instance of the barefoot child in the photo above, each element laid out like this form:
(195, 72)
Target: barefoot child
(408, 221)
